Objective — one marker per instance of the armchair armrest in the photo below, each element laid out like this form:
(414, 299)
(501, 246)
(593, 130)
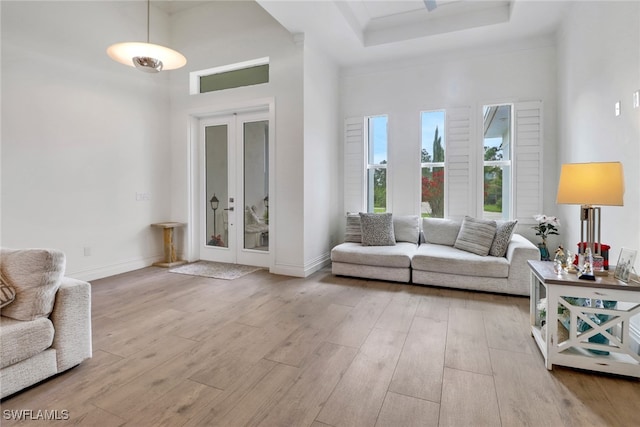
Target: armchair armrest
(71, 318)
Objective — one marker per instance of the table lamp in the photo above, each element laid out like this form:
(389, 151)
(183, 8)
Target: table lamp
(589, 184)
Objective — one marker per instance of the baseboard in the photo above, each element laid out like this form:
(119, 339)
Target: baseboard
(288, 270)
(317, 264)
(308, 269)
(113, 269)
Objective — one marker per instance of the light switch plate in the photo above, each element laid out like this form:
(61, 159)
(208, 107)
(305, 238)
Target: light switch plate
(617, 108)
(636, 99)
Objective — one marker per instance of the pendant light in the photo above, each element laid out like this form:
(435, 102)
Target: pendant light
(147, 57)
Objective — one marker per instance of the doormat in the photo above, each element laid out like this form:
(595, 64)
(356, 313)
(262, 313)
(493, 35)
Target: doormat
(216, 270)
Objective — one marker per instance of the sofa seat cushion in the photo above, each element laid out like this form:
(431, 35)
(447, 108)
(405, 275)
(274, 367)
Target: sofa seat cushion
(447, 259)
(21, 340)
(398, 255)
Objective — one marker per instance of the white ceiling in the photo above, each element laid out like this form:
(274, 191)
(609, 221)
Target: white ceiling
(358, 32)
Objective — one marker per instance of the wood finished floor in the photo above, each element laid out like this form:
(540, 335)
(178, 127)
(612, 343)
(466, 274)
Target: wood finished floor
(268, 350)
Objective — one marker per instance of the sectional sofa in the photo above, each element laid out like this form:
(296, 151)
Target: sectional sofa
(45, 321)
(468, 254)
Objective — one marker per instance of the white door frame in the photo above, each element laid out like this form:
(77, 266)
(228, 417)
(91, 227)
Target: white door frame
(194, 191)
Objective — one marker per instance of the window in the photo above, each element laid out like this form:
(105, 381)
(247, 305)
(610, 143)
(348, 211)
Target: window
(376, 173)
(497, 144)
(236, 78)
(248, 73)
(432, 157)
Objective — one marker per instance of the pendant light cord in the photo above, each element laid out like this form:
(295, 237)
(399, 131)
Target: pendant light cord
(148, 13)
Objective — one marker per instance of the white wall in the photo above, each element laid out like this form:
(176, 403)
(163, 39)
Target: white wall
(82, 135)
(322, 166)
(221, 33)
(403, 90)
(596, 69)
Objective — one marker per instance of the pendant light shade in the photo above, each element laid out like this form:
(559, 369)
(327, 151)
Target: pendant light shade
(147, 57)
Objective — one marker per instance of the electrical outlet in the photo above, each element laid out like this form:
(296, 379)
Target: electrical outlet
(636, 99)
(87, 251)
(143, 197)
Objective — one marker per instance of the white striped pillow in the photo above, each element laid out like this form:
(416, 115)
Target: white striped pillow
(353, 231)
(476, 236)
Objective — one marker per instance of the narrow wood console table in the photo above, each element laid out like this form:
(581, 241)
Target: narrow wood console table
(170, 256)
(587, 323)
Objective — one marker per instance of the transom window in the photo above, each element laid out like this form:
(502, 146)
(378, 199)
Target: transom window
(432, 160)
(247, 73)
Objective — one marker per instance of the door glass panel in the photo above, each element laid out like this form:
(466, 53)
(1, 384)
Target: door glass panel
(216, 182)
(256, 185)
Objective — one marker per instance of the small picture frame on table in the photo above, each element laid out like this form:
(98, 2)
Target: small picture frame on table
(625, 264)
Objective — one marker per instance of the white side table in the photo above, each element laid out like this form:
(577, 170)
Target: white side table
(583, 348)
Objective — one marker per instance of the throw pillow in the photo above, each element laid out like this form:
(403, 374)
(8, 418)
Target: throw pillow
(407, 228)
(353, 232)
(504, 231)
(35, 275)
(440, 231)
(476, 236)
(377, 229)
(7, 293)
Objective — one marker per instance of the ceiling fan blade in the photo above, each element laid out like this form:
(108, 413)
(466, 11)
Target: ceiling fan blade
(431, 4)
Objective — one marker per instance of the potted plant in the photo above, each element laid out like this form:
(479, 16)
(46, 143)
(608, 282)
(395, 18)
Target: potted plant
(547, 225)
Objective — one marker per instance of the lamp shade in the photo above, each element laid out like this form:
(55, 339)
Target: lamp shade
(126, 52)
(591, 184)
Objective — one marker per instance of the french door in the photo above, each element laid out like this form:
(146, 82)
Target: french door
(234, 178)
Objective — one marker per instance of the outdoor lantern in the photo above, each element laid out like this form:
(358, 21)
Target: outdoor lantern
(214, 202)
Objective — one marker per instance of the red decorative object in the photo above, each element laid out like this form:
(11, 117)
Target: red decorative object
(604, 251)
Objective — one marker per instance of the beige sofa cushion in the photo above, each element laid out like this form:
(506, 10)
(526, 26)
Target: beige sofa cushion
(407, 228)
(446, 259)
(35, 275)
(22, 340)
(440, 231)
(398, 255)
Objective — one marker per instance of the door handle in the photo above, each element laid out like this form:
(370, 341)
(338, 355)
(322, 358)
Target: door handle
(229, 209)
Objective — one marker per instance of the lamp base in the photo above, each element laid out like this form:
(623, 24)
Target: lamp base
(590, 228)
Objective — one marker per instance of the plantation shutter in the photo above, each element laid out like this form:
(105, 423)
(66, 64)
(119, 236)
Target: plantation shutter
(354, 164)
(528, 183)
(459, 201)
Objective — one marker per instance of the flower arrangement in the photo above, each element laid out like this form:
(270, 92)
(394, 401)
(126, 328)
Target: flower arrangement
(547, 225)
